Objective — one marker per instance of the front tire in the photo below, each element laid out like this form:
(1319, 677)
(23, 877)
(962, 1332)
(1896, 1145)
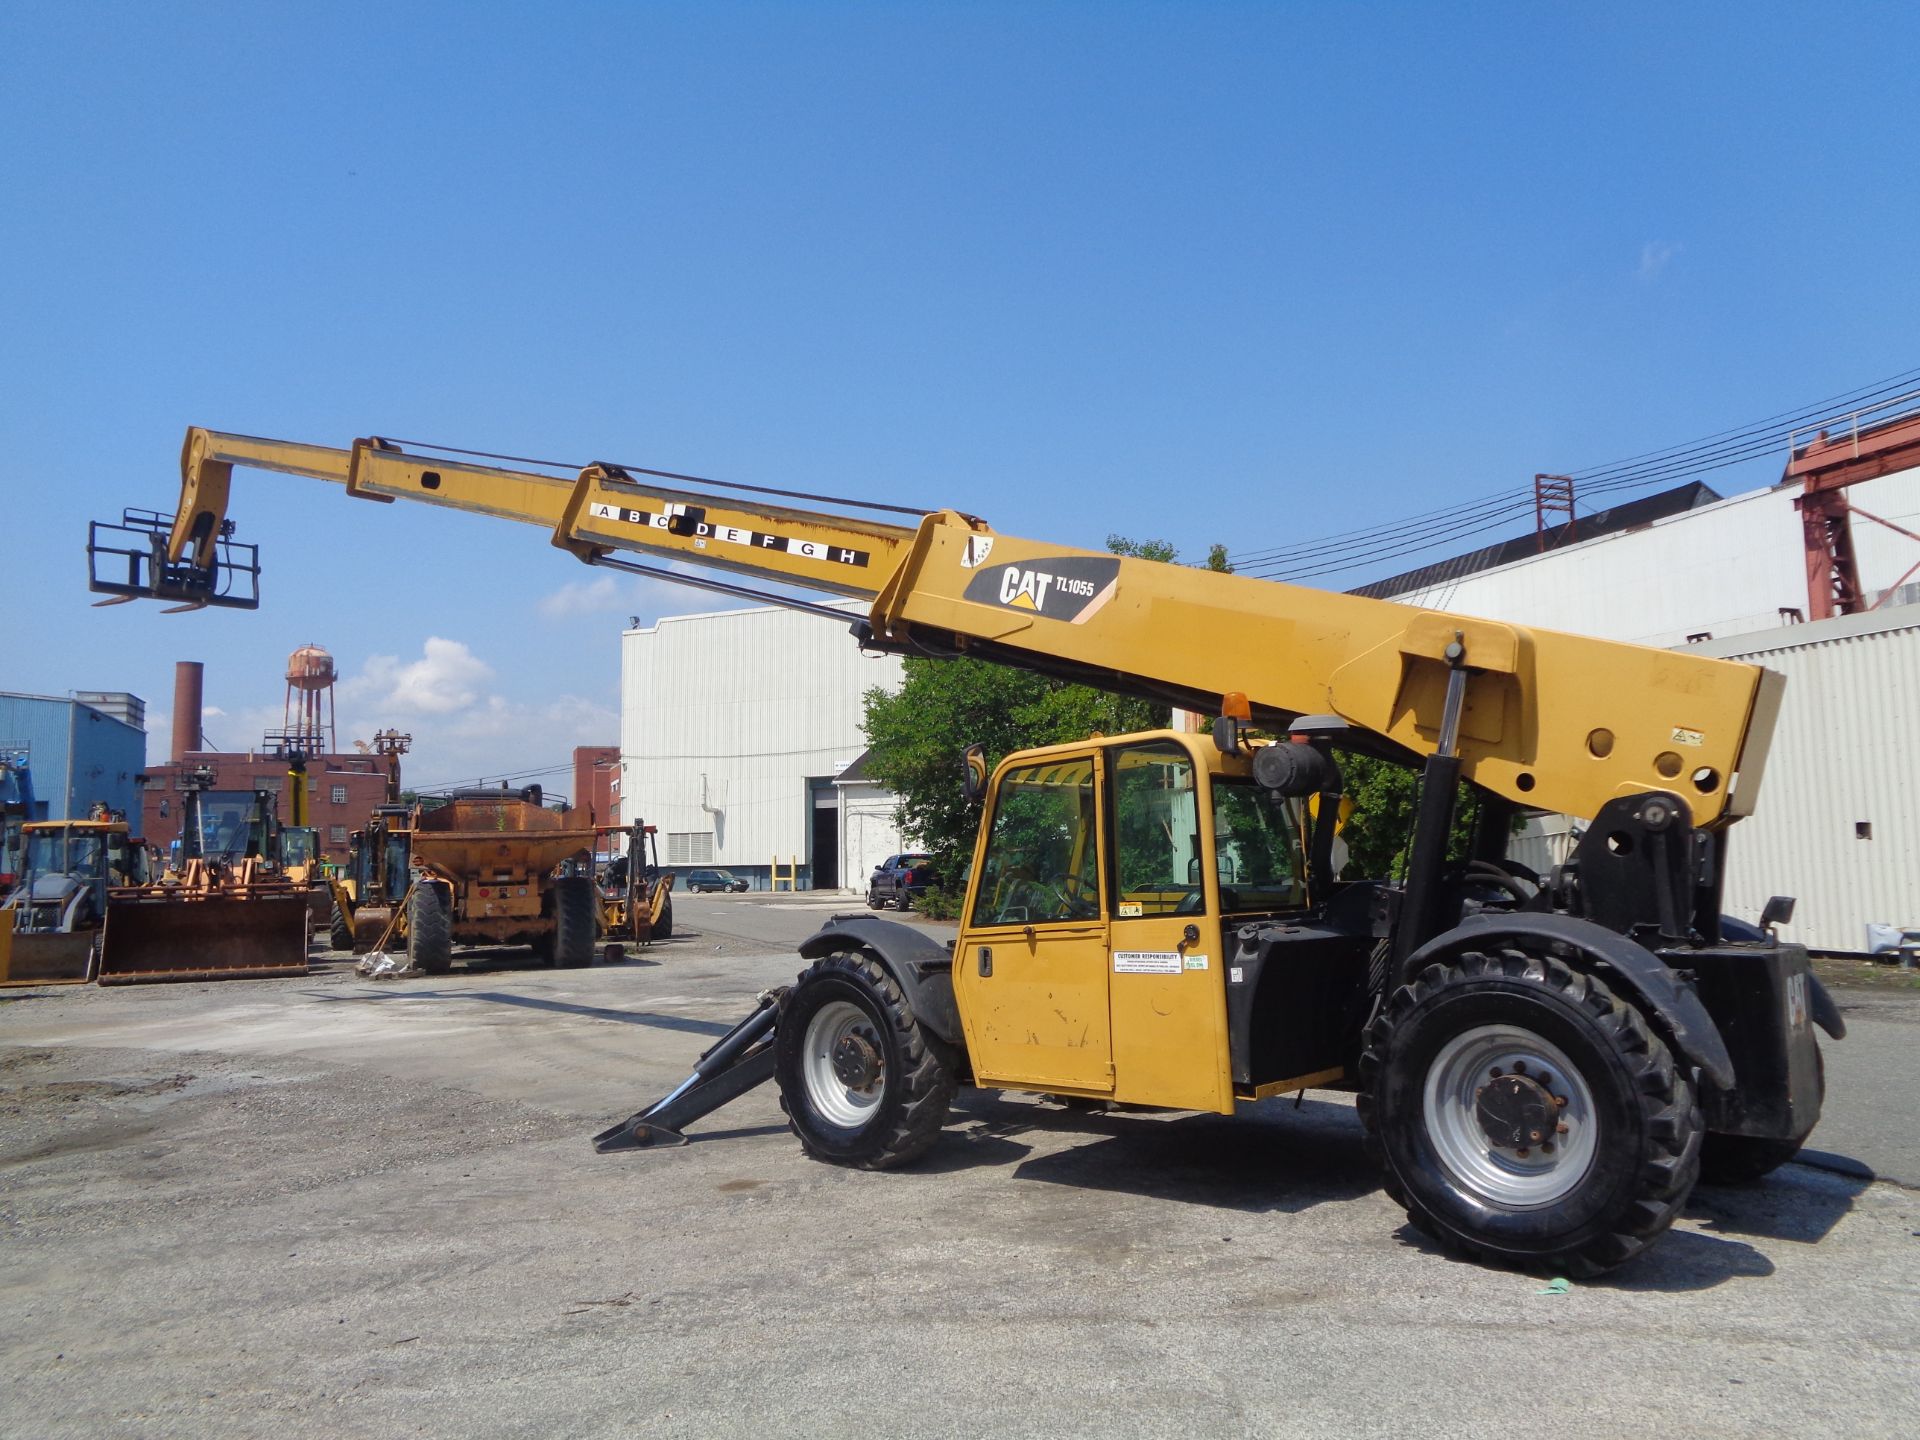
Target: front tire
(863, 1084)
(663, 927)
(1525, 1115)
(339, 929)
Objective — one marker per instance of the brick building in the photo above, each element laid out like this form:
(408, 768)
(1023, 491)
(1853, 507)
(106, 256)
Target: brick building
(342, 789)
(596, 782)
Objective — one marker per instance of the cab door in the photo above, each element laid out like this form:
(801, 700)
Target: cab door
(1030, 966)
(1169, 1000)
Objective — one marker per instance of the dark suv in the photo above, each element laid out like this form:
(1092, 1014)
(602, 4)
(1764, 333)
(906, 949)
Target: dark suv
(898, 880)
(723, 880)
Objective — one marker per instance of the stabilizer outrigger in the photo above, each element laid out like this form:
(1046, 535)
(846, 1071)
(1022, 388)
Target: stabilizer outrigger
(738, 1062)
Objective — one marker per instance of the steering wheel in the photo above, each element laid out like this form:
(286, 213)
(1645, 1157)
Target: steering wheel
(1054, 904)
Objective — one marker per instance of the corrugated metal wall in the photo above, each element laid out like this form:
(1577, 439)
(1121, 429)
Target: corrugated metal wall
(743, 707)
(78, 755)
(1846, 755)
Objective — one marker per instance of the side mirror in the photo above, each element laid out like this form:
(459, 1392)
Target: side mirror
(974, 783)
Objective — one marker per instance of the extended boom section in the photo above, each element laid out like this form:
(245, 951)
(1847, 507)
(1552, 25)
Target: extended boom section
(1547, 720)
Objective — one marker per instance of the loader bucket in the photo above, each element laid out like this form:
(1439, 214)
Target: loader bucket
(204, 937)
(52, 959)
(370, 923)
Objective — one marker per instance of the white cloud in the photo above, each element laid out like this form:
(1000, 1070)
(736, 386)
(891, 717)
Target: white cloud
(447, 677)
(582, 597)
(463, 727)
(1655, 256)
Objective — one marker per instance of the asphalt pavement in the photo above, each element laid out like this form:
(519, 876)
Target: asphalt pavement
(339, 1207)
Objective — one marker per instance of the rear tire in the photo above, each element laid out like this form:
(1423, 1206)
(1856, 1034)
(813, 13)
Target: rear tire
(903, 902)
(874, 902)
(339, 929)
(862, 1083)
(576, 919)
(1571, 1054)
(430, 928)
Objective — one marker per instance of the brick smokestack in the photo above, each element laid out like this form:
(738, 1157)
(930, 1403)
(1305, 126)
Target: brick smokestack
(187, 678)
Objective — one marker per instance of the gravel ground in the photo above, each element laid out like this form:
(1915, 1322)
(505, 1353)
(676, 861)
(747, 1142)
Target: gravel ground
(339, 1208)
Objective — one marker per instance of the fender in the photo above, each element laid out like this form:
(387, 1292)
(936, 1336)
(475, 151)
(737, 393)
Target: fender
(1669, 1001)
(920, 966)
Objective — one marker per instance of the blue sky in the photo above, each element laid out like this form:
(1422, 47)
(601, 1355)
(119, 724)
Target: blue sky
(1247, 273)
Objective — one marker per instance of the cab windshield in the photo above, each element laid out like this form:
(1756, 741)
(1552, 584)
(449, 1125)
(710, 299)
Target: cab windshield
(61, 852)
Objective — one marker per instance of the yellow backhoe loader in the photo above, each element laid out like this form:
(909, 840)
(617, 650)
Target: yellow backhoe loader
(1542, 1063)
(50, 920)
(636, 894)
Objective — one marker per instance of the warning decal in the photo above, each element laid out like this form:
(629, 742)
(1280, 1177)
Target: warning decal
(1146, 962)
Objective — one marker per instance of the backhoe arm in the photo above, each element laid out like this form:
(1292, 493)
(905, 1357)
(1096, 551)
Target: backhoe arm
(1546, 719)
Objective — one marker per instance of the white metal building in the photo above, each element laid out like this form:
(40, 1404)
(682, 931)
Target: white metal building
(1724, 569)
(735, 727)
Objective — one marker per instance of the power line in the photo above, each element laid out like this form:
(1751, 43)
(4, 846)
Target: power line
(1352, 549)
(428, 787)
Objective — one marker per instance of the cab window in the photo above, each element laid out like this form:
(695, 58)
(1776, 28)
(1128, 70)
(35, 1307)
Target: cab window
(1156, 832)
(1256, 848)
(1042, 859)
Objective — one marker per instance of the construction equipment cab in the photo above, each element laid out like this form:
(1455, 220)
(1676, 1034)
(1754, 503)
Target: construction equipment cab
(1542, 1064)
(58, 903)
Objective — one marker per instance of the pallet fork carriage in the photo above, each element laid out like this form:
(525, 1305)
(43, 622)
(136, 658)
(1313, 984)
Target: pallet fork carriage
(1543, 1064)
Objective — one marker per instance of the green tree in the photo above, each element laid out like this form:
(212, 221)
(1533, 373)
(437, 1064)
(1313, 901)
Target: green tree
(917, 734)
(1385, 796)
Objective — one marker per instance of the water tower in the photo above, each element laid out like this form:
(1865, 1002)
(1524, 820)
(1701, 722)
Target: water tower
(310, 677)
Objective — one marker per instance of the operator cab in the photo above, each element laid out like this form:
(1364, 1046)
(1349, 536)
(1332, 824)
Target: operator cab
(1141, 899)
(1111, 880)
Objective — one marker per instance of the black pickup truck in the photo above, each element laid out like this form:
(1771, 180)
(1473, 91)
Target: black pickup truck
(899, 880)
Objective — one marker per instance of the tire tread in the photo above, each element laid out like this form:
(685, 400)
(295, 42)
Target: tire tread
(926, 1078)
(1669, 1112)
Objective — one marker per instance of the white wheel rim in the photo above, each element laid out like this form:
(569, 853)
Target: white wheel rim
(836, 1102)
(1531, 1176)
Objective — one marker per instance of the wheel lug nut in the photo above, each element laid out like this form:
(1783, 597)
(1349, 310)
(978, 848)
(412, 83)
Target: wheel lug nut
(1560, 1101)
(1561, 1128)
(1547, 1148)
(1519, 1067)
(1496, 1072)
(1544, 1078)
(1522, 1152)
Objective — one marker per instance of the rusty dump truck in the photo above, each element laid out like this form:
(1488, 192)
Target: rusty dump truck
(488, 867)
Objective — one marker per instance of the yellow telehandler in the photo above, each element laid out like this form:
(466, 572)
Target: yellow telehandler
(1542, 1063)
